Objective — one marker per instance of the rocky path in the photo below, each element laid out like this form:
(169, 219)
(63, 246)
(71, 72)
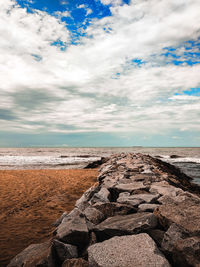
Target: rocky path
(141, 213)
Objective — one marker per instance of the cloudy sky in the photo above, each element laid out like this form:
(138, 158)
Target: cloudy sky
(99, 72)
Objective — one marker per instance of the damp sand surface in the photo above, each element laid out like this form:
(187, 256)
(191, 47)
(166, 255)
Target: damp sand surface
(31, 200)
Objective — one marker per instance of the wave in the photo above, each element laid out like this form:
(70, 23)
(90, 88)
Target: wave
(44, 160)
(180, 159)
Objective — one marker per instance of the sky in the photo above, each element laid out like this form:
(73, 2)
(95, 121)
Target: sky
(99, 73)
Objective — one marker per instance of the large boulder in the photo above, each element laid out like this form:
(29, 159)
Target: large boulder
(126, 251)
(185, 214)
(73, 229)
(130, 187)
(93, 215)
(184, 250)
(35, 255)
(164, 188)
(113, 208)
(64, 251)
(102, 196)
(125, 224)
(137, 199)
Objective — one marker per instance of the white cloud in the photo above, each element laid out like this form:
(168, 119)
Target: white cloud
(63, 14)
(88, 11)
(95, 86)
(111, 2)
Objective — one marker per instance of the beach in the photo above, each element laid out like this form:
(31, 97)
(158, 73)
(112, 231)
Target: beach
(39, 184)
(31, 200)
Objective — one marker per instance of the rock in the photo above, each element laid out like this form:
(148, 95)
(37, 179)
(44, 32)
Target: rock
(147, 207)
(109, 182)
(157, 235)
(102, 196)
(96, 163)
(185, 214)
(83, 202)
(113, 208)
(163, 188)
(130, 187)
(58, 222)
(171, 236)
(136, 199)
(187, 252)
(93, 215)
(125, 224)
(73, 229)
(34, 255)
(184, 250)
(75, 263)
(64, 251)
(126, 251)
(174, 156)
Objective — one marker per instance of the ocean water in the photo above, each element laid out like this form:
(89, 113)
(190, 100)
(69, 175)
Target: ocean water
(187, 159)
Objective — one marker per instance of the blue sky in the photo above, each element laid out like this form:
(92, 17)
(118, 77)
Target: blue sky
(100, 73)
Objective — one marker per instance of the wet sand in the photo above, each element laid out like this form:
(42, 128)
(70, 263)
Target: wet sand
(31, 200)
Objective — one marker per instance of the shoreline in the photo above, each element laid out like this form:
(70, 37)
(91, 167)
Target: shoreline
(134, 214)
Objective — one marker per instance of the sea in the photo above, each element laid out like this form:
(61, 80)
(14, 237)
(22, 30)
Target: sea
(186, 158)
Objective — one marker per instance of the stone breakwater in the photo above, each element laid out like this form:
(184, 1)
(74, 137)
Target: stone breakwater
(142, 212)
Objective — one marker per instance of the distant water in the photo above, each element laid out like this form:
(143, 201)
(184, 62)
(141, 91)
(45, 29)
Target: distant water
(187, 159)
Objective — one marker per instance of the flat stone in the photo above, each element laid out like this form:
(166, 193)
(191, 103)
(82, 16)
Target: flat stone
(113, 208)
(83, 202)
(102, 196)
(137, 199)
(93, 215)
(34, 255)
(126, 251)
(147, 207)
(130, 187)
(75, 263)
(73, 229)
(125, 224)
(185, 214)
(163, 188)
(64, 251)
(184, 250)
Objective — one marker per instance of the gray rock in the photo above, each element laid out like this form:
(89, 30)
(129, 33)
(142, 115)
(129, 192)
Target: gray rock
(137, 199)
(185, 214)
(147, 207)
(34, 255)
(157, 235)
(126, 251)
(102, 196)
(64, 251)
(184, 250)
(113, 208)
(125, 224)
(93, 215)
(163, 188)
(171, 236)
(83, 202)
(58, 222)
(130, 187)
(73, 229)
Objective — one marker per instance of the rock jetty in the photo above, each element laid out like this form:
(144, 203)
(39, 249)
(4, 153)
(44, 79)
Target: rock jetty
(142, 212)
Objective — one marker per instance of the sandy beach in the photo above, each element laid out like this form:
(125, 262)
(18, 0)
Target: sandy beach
(31, 200)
